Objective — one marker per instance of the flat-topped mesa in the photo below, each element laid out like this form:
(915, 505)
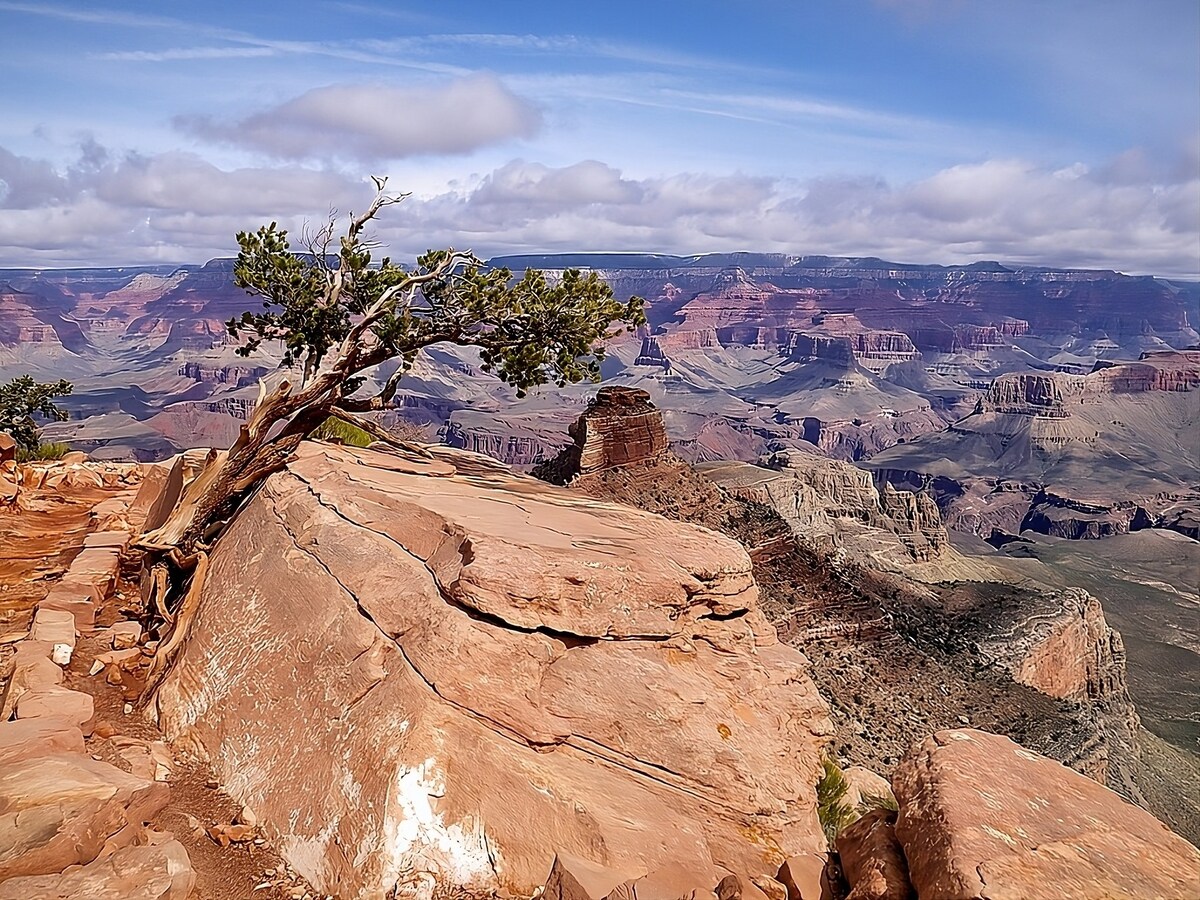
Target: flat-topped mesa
(619, 428)
(845, 347)
(1155, 371)
(239, 376)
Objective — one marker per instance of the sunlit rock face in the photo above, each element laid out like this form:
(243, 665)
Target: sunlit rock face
(436, 666)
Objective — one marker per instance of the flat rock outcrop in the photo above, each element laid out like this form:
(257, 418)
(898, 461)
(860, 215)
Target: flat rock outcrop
(424, 672)
(981, 817)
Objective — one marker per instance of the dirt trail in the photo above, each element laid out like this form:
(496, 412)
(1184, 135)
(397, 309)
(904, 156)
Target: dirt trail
(38, 541)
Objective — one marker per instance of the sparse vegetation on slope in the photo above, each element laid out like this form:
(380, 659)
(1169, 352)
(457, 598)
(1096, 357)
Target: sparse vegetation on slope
(833, 811)
(50, 451)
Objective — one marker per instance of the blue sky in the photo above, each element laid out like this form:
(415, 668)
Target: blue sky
(945, 131)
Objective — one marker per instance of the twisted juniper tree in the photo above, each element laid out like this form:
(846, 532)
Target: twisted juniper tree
(339, 316)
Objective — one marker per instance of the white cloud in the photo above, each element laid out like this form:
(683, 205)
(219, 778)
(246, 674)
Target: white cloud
(379, 122)
(1132, 214)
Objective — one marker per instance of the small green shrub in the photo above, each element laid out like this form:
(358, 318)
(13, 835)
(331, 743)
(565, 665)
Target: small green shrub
(833, 811)
(339, 431)
(43, 452)
(878, 801)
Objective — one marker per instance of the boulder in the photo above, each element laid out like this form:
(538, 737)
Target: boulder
(981, 817)
(156, 872)
(805, 876)
(8, 448)
(866, 789)
(482, 671)
(872, 860)
(572, 878)
(61, 810)
(31, 738)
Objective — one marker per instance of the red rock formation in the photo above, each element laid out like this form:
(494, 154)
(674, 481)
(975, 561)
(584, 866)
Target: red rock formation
(981, 817)
(1075, 655)
(494, 671)
(620, 427)
(872, 859)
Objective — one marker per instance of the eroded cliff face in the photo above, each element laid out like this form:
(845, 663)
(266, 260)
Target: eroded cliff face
(1065, 648)
(836, 507)
(905, 635)
(482, 672)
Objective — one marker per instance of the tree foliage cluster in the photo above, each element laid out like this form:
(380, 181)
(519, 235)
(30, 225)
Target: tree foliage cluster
(528, 332)
(23, 402)
(339, 316)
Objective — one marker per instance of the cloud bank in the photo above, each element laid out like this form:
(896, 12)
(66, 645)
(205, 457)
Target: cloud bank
(1130, 215)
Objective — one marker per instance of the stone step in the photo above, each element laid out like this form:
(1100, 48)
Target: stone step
(72, 707)
(156, 872)
(62, 810)
(23, 739)
(33, 670)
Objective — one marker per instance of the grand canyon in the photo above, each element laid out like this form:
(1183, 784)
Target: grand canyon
(624, 451)
(910, 500)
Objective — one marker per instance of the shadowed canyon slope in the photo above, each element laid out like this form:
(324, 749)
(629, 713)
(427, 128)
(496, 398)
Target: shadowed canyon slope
(905, 633)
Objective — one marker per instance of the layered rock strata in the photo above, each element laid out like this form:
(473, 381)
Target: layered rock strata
(620, 427)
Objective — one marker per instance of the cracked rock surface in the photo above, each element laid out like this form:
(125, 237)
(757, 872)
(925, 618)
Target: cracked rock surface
(430, 672)
(982, 818)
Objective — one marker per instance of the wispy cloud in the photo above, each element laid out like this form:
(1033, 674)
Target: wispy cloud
(187, 53)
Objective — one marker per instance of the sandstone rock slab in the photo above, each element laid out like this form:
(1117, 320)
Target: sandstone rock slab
(53, 626)
(156, 872)
(74, 707)
(24, 739)
(62, 810)
(484, 670)
(981, 817)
